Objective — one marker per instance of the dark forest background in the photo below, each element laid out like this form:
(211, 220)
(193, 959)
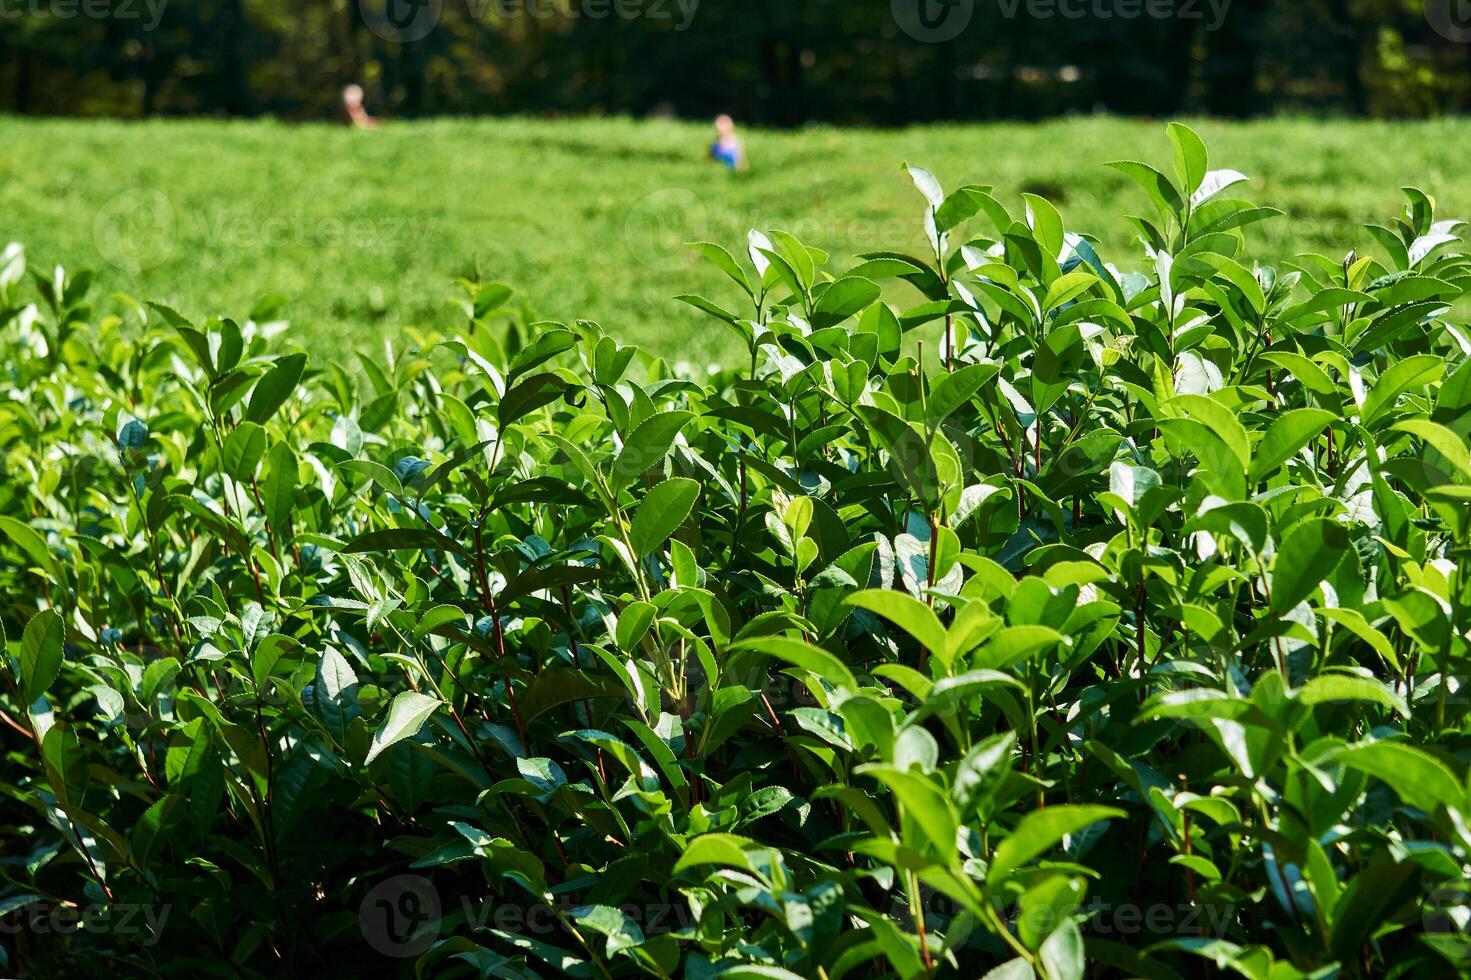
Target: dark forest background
(774, 62)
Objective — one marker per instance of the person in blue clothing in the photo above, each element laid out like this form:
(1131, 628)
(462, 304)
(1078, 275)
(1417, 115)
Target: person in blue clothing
(728, 149)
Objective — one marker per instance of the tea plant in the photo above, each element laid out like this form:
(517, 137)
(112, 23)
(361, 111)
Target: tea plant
(199, 213)
(1123, 635)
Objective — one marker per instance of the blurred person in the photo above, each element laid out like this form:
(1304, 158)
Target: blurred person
(352, 102)
(728, 150)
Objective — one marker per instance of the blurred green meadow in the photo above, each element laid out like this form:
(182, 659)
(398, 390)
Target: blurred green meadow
(361, 234)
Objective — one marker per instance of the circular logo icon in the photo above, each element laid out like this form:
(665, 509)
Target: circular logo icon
(660, 226)
(1450, 18)
(933, 21)
(1448, 910)
(400, 21)
(400, 917)
(135, 230)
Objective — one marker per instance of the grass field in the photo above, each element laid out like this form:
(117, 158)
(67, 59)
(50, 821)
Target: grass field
(362, 233)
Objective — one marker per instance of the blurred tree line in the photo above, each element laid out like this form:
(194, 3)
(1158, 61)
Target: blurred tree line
(777, 62)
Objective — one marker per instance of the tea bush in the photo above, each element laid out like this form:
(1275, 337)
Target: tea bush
(209, 216)
(1123, 635)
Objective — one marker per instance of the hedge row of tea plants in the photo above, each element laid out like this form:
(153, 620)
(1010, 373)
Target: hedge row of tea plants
(1003, 614)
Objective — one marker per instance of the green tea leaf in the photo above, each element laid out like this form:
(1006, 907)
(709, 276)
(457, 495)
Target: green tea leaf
(243, 451)
(805, 656)
(906, 612)
(1304, 560)
(275, 388)
(1286, 437)
(662, 511)
(1420, 779)
(648, 445)
(1039, 832)
(1191, 159)
(42, 651)
(406, 715)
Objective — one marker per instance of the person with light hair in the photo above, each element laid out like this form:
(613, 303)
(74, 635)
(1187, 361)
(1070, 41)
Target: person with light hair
(728, 149)
(352, 102)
